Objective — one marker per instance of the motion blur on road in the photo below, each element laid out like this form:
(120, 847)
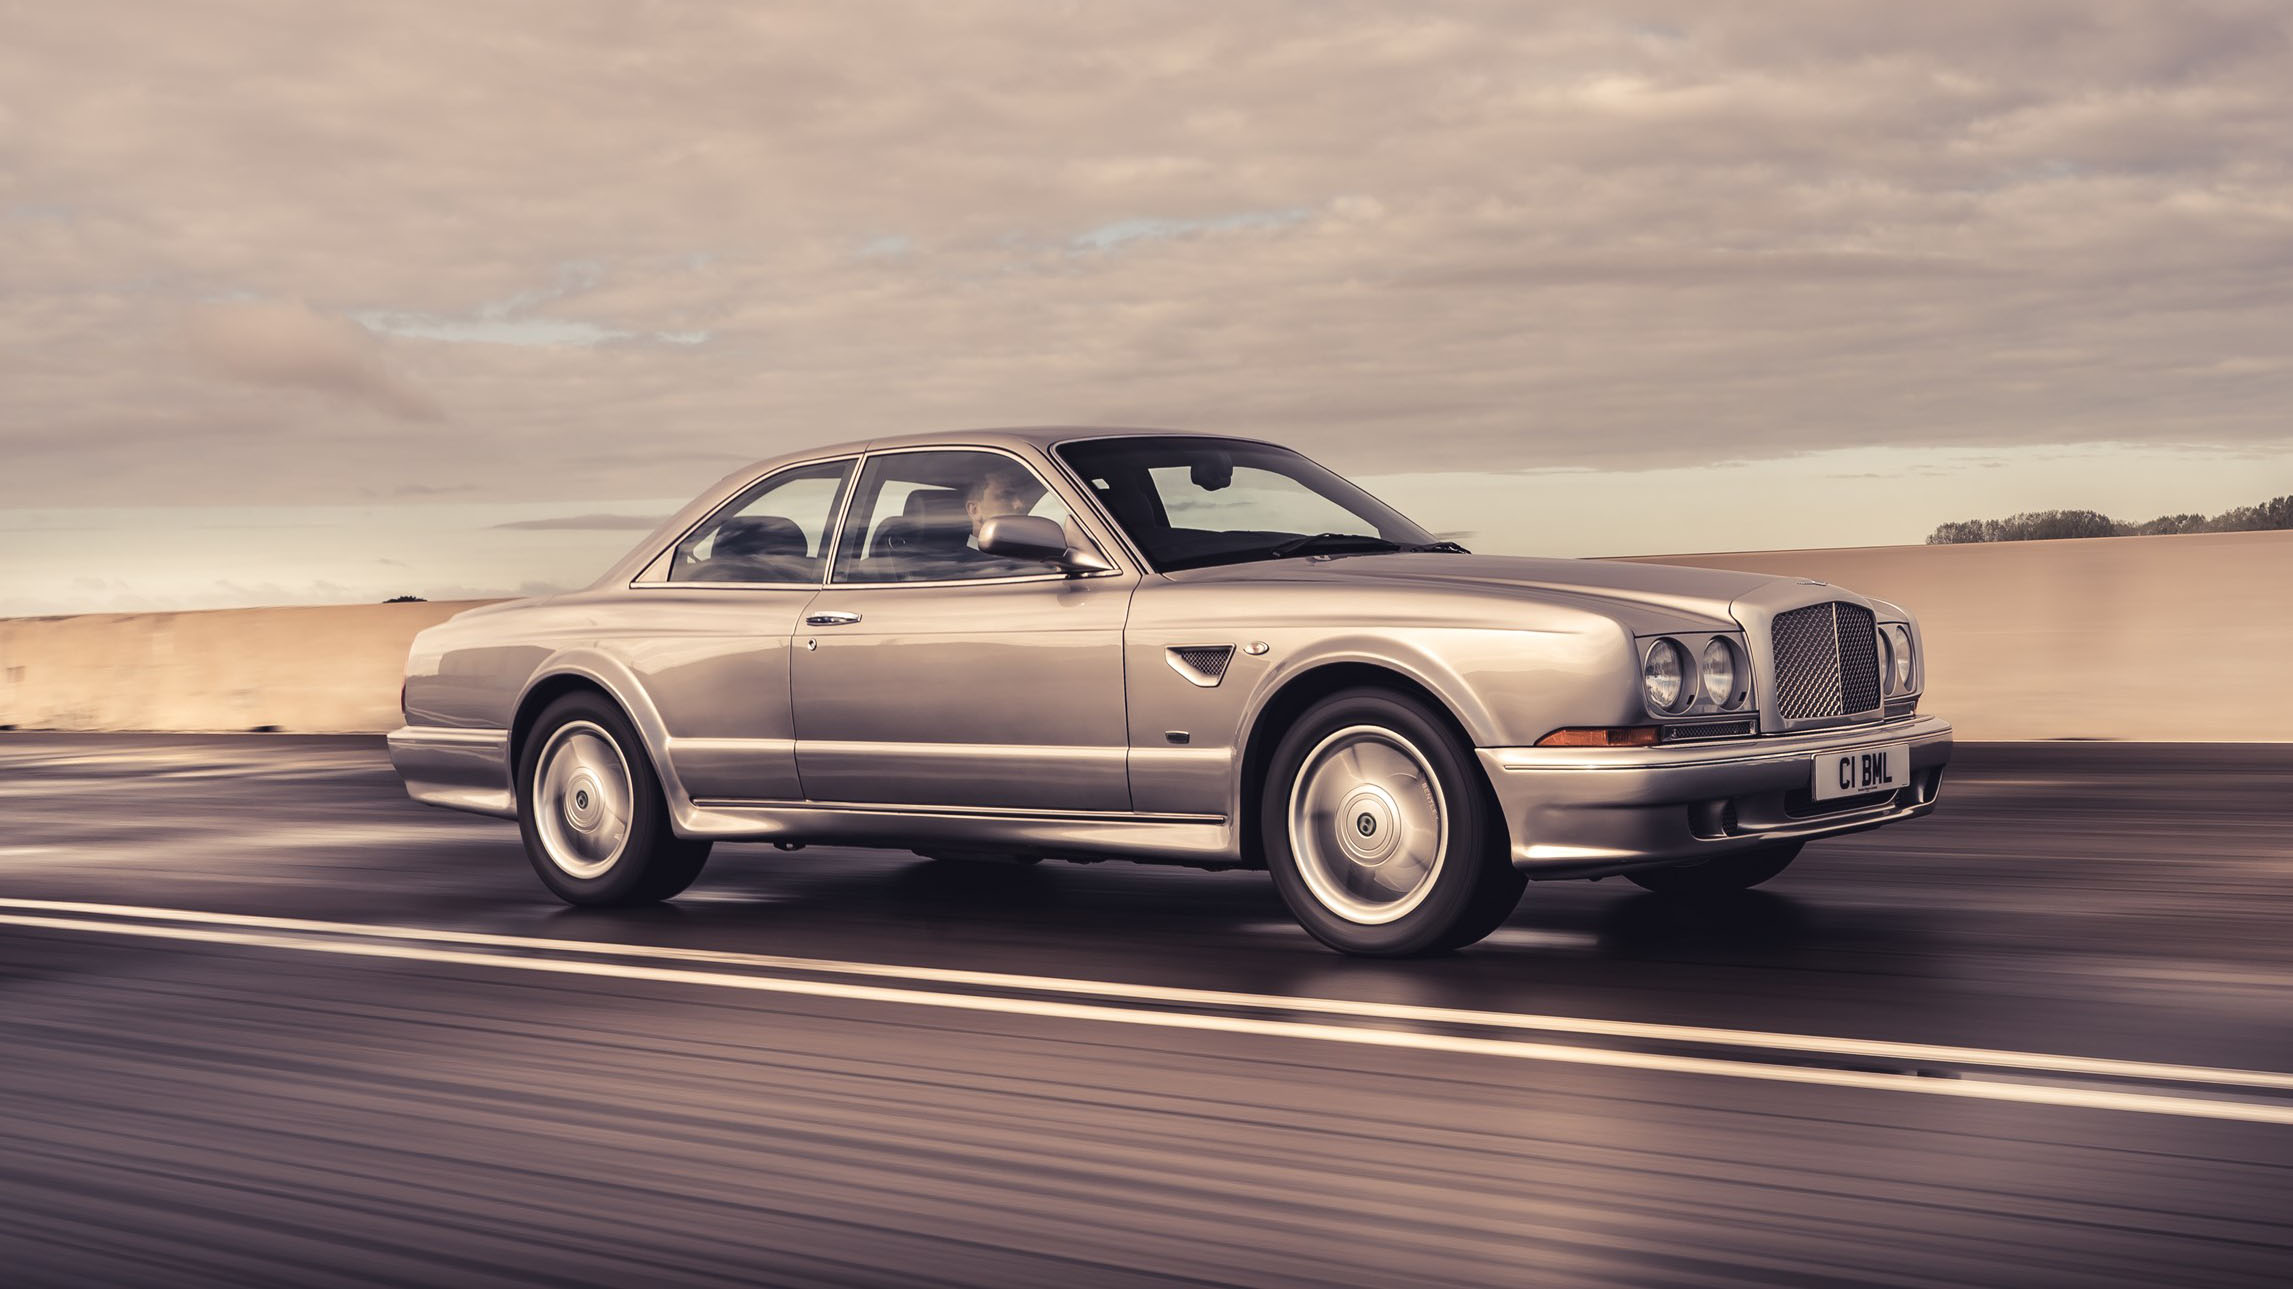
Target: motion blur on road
(267, 1021)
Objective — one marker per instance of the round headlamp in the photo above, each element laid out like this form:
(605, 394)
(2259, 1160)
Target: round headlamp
(1899, 661)
(1664, 676)
(1717, 674)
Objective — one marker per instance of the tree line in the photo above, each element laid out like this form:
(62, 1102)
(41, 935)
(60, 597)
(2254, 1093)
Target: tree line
(2046, 525)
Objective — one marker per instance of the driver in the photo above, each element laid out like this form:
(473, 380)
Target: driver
(1004, 489)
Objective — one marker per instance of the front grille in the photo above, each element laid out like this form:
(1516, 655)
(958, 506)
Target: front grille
(1826, 661)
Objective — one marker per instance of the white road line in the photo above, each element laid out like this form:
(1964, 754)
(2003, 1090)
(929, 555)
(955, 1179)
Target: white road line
(1813, 1044)
(2036, 1094)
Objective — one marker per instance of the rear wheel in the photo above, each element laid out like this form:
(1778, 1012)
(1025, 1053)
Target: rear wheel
(1738, 872)
(591, 811)
(1381, 836)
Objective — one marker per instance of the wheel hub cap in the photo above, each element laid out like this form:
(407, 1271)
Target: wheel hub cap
(1374, 834)
(1368, 824)
(582, 799)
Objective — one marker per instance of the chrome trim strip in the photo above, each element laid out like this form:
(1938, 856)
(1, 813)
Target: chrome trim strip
(676, 743)
(843, 498)
(446, 736)
(1051, 485)
(1013, 751)
(956, 812)
(1722, 752)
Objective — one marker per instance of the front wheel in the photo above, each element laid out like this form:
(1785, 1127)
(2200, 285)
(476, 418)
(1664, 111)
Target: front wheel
(594, 821)
(1381, 836)
(1738, 872)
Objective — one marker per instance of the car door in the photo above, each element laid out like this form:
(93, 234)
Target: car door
(718, 612)
(929, 673)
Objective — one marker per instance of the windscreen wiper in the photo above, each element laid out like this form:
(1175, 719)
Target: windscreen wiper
(1332, 544)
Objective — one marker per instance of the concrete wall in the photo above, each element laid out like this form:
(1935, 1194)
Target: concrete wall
(322, 670)
(2175, 638)
(2166, 638)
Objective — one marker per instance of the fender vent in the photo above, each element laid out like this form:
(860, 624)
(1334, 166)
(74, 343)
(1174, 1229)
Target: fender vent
(1204, 665)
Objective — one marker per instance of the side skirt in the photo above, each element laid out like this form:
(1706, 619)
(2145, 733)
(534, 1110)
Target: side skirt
(1175, 839)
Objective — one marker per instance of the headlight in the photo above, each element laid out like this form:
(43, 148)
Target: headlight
(1899, 668)
(1718, 676)
(1663, 676)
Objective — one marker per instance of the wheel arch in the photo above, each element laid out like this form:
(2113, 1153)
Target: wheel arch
(537, 699)
(592, 673)
(1290, 700)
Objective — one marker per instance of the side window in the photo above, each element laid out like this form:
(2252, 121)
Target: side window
(777, 531)
(915, 516)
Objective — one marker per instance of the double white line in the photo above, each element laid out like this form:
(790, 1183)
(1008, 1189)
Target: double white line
(2251, 1096)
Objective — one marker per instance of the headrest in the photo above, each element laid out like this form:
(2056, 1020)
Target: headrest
(936, 506)
(747, 535)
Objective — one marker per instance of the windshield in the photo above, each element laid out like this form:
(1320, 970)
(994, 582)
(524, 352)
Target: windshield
(1191, 502)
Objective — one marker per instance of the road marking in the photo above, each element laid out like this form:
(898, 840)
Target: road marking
(305, 935)
(1511, 937)
(1821, 1045)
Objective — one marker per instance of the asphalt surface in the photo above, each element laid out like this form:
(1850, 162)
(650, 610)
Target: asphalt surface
(377, 1093)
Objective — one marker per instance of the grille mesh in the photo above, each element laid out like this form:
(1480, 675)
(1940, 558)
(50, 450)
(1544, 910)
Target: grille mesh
(1203, 664)
(1826, 661)
(1807, 664)
(1708, 729)
(1858, 658)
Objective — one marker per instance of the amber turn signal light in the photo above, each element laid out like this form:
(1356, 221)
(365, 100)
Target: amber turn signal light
(1586, 736)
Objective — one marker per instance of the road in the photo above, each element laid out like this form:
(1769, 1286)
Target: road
(266, 1021)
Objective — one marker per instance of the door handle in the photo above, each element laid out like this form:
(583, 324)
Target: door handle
(833, 618)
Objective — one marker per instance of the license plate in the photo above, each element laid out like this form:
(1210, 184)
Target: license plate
(1861, 772)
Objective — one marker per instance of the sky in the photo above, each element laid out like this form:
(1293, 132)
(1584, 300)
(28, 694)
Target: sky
(306, 302)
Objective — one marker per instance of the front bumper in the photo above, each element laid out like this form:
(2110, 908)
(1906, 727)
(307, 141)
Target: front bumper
(1587, 812)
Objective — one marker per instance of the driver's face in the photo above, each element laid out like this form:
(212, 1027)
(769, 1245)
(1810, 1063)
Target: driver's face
(1000, 494)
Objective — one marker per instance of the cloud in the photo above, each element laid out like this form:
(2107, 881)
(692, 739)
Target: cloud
(511, 320)
(291, 344)
(1443, 237)
(1107, 237)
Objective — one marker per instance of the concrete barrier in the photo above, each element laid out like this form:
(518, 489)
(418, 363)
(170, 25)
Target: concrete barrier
(2179, 639)
(2166, 638)
(320, 670)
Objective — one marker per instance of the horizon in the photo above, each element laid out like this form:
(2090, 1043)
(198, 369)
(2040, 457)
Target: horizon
(78, 559)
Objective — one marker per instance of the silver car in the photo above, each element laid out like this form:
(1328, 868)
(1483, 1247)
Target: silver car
(1173, 648)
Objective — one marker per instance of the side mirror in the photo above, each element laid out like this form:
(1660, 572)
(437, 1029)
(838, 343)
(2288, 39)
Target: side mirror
(1034, 537)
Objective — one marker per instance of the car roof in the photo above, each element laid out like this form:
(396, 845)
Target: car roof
(1036, 436)
(1040, 437)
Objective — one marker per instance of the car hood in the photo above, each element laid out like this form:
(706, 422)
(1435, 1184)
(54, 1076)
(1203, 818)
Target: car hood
(1700, 593)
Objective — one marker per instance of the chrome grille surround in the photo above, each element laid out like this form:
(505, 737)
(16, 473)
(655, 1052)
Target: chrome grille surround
(1826, 661)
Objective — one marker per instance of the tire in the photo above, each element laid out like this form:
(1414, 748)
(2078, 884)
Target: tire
(1738, 872)
(583, 767)
(1381, 834)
